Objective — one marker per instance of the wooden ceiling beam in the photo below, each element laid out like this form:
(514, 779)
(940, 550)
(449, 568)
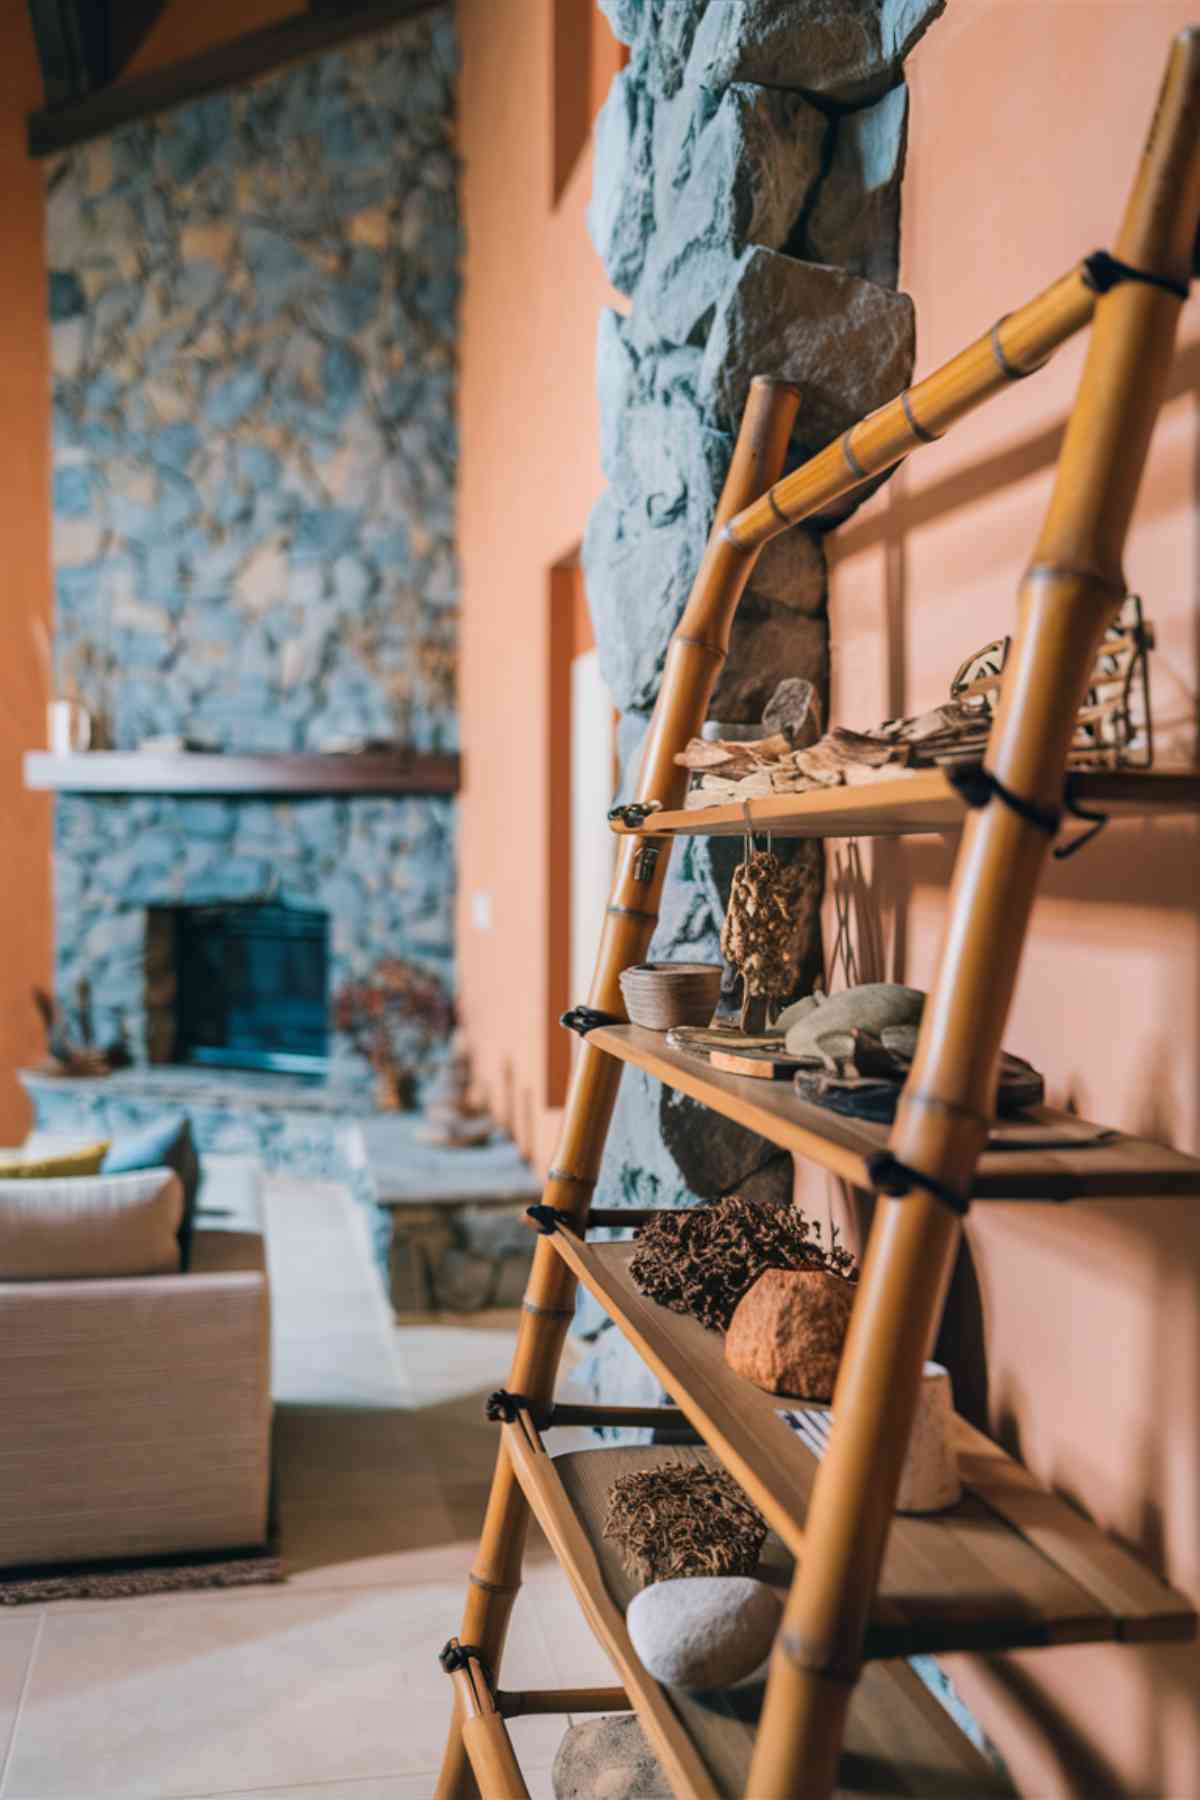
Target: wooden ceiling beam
(227, 65)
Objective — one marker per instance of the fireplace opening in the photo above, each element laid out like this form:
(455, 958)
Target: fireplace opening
(251, 987)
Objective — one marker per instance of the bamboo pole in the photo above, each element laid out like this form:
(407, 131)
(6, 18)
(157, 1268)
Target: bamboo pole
(1068, 598)
(485, 1738)
(1016, 346)
(697, 650)
(524, 1704)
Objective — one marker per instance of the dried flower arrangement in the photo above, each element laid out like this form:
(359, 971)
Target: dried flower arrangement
(683, 1519)
(395, 1018)
(702, 1260)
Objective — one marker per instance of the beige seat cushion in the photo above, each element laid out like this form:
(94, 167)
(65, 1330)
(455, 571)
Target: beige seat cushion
(90, 1226)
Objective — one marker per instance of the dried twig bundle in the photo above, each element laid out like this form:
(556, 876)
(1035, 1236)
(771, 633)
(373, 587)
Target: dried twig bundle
(683, 1519)
(701, 1261)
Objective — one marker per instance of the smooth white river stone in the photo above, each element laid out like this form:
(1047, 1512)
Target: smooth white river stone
(704, 1631)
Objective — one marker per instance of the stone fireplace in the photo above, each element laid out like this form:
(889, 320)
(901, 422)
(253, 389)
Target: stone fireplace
(253, 308)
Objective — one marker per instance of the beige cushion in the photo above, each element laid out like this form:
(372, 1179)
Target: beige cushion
(90, 1226)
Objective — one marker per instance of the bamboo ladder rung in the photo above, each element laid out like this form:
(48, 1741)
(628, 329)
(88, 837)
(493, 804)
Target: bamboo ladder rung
(1012, 1566)
(908, 804)
(1115, 1167)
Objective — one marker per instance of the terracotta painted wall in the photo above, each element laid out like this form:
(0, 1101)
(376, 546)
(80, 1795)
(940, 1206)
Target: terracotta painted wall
(1026, 123)
(529, 472)
(24, 571)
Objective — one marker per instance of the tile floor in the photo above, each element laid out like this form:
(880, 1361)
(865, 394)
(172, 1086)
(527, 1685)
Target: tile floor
(326, 1687)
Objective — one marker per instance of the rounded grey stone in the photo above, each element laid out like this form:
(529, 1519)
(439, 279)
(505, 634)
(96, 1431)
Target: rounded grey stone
(704, 1631)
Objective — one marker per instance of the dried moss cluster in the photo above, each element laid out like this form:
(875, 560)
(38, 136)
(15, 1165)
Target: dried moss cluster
(683, 1519)
(703, 1260)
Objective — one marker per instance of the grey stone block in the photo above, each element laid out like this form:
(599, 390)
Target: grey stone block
(620, 215)
(608, 1759)
(637, 577)
(850, 51)
(848, 343)
(462, 1281)
(768, 642)
(623, 16)
(855, 221)
(660, 34)
(713, 1155)
(752, 169)
(791, 572)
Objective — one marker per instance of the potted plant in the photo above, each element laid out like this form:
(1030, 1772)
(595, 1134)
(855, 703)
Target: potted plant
(396, 1018)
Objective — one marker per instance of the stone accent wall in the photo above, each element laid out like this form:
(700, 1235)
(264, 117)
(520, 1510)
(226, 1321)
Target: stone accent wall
(747, 199)
(382, 868)
(253, 305)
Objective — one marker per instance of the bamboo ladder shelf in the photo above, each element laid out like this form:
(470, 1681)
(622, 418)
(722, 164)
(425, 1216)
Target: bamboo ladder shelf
(1010, 1566)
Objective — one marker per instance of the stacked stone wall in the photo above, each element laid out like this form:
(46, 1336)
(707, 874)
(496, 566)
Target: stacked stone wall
(253, 316)
(747, 200)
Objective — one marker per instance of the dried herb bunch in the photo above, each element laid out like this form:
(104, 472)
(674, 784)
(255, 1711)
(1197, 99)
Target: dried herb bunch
(703, 1260)
(683, 1519)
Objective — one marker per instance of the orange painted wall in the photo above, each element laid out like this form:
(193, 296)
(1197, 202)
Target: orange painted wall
(1026, 123)
(24, 571)
(529, 472)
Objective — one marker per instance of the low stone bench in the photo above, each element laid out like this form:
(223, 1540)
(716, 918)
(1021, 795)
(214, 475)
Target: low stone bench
(458, 1238)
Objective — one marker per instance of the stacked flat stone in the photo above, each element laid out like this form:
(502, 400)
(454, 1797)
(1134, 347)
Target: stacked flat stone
(747, 200)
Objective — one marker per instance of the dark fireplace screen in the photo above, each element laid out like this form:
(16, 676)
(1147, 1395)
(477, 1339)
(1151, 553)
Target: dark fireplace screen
(252, 987)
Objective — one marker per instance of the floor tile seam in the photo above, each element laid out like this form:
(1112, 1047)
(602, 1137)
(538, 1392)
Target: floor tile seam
(26, 1680)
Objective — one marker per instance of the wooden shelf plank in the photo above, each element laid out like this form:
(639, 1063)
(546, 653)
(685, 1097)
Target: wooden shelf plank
(924, 801)
(899, 1741)
(1119, 1167)
(299, 773)
(1011, 1566)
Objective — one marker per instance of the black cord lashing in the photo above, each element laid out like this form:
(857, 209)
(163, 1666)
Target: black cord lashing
(978, 785)
(454, 1656)
(890, 1176)
(634, 814)
(501, 1408)
(1096, 822)
(582, 1019)
(1102, 271)
(547, 1218)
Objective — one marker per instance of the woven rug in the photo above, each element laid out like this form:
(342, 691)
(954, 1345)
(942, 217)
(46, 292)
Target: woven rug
(153, 1575)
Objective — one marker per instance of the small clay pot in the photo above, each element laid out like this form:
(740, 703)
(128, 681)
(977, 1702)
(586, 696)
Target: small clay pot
(660, 995)
(787, 1332)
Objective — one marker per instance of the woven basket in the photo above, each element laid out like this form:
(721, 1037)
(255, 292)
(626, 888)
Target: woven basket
(660, 995)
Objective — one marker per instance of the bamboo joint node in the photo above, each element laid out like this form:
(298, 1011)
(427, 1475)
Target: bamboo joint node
(494, 1587)
(814, 1661)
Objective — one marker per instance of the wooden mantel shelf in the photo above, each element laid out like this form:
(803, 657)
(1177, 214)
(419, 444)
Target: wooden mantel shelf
(299, 773)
